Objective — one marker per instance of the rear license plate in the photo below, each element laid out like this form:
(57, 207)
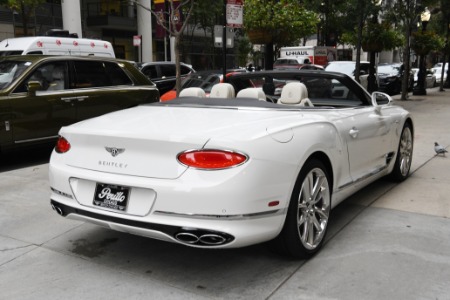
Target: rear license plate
(111, 196)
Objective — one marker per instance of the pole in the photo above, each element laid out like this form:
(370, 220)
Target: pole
(224, 40)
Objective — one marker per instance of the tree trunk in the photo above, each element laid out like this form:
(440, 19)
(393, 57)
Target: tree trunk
(268, 59)
(371, 80)
(358, 42)
(406, 65)
(177, 63)
(442, 71)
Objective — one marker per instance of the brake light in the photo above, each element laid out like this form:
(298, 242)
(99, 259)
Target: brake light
(211, 159)
(62, 145)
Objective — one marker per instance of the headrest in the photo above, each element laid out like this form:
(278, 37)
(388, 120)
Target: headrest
(222, 90)
(58, 73)
(193, 92)
(293, 93)
(255, 93)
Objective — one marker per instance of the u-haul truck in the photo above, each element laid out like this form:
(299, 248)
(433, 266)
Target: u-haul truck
(52, 45)
(315, 54)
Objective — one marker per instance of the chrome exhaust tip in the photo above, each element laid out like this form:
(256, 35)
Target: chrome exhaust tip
(212, 239)
(57, 209)
(187, 237)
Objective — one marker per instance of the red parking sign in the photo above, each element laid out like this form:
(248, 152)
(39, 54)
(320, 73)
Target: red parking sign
(235, 13)
(137, 40)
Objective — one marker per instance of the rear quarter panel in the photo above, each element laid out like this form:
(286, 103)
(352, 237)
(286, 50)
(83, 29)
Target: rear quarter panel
(282, 149)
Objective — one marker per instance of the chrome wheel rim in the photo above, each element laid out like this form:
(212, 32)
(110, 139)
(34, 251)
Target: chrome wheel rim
(405, 151)
(313, 209)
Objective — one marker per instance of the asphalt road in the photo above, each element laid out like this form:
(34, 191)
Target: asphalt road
(388, 241)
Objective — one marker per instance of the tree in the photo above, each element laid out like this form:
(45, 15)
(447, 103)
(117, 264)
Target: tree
(356, 13)
(405, 15)
(442, 27)
(205, 15)
(183, 8)
(277, 23)
(26, 9)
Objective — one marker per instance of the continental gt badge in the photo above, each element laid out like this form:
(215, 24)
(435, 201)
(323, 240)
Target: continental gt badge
(114, 151)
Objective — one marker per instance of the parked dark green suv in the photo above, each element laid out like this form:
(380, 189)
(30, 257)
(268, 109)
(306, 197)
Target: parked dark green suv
(40, 94)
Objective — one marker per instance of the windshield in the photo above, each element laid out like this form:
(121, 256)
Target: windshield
(348, 69)
(10, 70)
(202, 81)
(389, 69)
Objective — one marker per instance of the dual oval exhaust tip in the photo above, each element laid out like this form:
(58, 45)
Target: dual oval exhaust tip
(202, 239)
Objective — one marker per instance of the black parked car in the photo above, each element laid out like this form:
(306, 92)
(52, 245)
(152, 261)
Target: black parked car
(163, 73)
(390, 77)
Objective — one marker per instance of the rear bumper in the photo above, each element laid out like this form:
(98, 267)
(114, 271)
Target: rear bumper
(191, 236)
(187, 231)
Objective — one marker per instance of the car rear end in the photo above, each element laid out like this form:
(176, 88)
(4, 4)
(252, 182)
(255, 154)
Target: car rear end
(194, 185)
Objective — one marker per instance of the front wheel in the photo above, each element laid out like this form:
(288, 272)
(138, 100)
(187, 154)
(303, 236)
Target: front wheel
(308, 213)
(404, 155)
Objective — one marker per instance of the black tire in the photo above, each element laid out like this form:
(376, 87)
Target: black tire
(403, 160)
(308, 214)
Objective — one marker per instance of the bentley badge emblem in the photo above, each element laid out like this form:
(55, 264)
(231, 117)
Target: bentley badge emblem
(114, 151)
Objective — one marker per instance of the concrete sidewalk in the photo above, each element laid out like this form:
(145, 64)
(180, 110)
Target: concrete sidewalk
(388, 241)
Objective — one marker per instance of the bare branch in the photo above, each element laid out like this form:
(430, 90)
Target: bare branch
(172, 29)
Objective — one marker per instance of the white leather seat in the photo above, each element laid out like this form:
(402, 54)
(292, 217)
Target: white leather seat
(222, 90)
(193, 92)
(295, 93)
(255, 93)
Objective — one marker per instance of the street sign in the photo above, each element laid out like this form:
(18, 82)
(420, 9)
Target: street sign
(235, 13)
(136, 40)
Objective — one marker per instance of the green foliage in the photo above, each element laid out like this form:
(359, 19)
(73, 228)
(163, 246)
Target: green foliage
(285, 20)
(206, 13)
(378, 37)
(425, 41)
(244, 48)
(19, 4)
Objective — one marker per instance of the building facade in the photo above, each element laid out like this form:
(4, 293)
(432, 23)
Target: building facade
(113, 20)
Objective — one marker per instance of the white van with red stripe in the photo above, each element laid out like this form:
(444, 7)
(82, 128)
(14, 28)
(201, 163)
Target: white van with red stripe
(51, 45)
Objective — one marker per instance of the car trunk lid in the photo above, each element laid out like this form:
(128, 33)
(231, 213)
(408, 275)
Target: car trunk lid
(145, 141)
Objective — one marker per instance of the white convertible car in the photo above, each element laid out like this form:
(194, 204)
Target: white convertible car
(229, 171)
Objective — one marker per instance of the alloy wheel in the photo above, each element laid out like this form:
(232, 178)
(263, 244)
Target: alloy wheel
(405, 151)
(313, 208)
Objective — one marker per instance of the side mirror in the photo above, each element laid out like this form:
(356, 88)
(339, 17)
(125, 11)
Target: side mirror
(379, 98)
(33, 86)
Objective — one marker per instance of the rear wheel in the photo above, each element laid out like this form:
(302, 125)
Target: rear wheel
(308, 213)
(404, 155)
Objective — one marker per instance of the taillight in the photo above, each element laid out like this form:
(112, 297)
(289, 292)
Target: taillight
(211, 159)
(62, 145)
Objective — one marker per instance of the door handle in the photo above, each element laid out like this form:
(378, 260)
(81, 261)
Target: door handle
(81, 98)
(78, 98)
(68, 99)
(353, 132)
